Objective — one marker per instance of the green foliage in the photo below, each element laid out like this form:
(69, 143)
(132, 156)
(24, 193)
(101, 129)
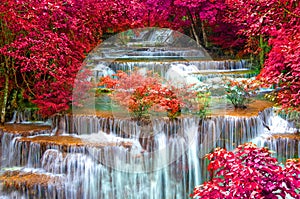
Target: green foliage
(271, 96)
(239, 92)
(203, 100)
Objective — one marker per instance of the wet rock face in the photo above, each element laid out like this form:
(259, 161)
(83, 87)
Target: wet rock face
(293, 118)
(32, 184)
(66, 142)
(25, 129)
(294, 136)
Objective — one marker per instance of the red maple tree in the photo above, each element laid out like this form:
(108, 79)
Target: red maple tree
(272, 24)
(139, 93)
(45, 42)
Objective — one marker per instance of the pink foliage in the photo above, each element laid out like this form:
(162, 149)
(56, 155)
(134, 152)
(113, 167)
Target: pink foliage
(48, 48)
(249, 172)
(50, 38)
(50, 41)
(277, 22)
(282, 67)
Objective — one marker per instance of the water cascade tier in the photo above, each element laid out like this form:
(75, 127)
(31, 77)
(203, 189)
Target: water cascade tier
(107, 157)
(28, 115)
(169, 53)
(103, 157)
(282, 138)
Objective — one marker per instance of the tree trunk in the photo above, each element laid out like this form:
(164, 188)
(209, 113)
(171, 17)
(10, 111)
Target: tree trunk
(204, 36)
(5, 97)
(195, 34)
(262, 51)
(194, 27)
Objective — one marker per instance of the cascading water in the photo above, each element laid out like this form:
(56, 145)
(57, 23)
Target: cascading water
(166, 163)
(8, 139)
(161, 67)
(281, 138)
(152, 50)
(26, 116)
(114, 157)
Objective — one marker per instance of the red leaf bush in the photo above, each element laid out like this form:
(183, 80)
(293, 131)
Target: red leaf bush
(249, 172)
(276, 23)
(142, 93)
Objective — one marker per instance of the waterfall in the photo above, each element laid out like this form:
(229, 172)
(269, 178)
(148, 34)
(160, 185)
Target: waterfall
(119, 158)
(280, 137)
(26, 116)
(161, 67)
(283, 148)
(8, 150)
(113, 157)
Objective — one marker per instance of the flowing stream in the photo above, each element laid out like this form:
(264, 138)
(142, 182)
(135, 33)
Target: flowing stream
(129, 162)
(112, 157)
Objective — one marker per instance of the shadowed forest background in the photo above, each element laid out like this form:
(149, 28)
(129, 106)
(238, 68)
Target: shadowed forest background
(43, 43)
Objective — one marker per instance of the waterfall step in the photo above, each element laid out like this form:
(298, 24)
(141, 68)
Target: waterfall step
(25, 129)
(283, 145)
(36, 185)
(161, 67)
(33, 148)
(292, 136)
(66, 142)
